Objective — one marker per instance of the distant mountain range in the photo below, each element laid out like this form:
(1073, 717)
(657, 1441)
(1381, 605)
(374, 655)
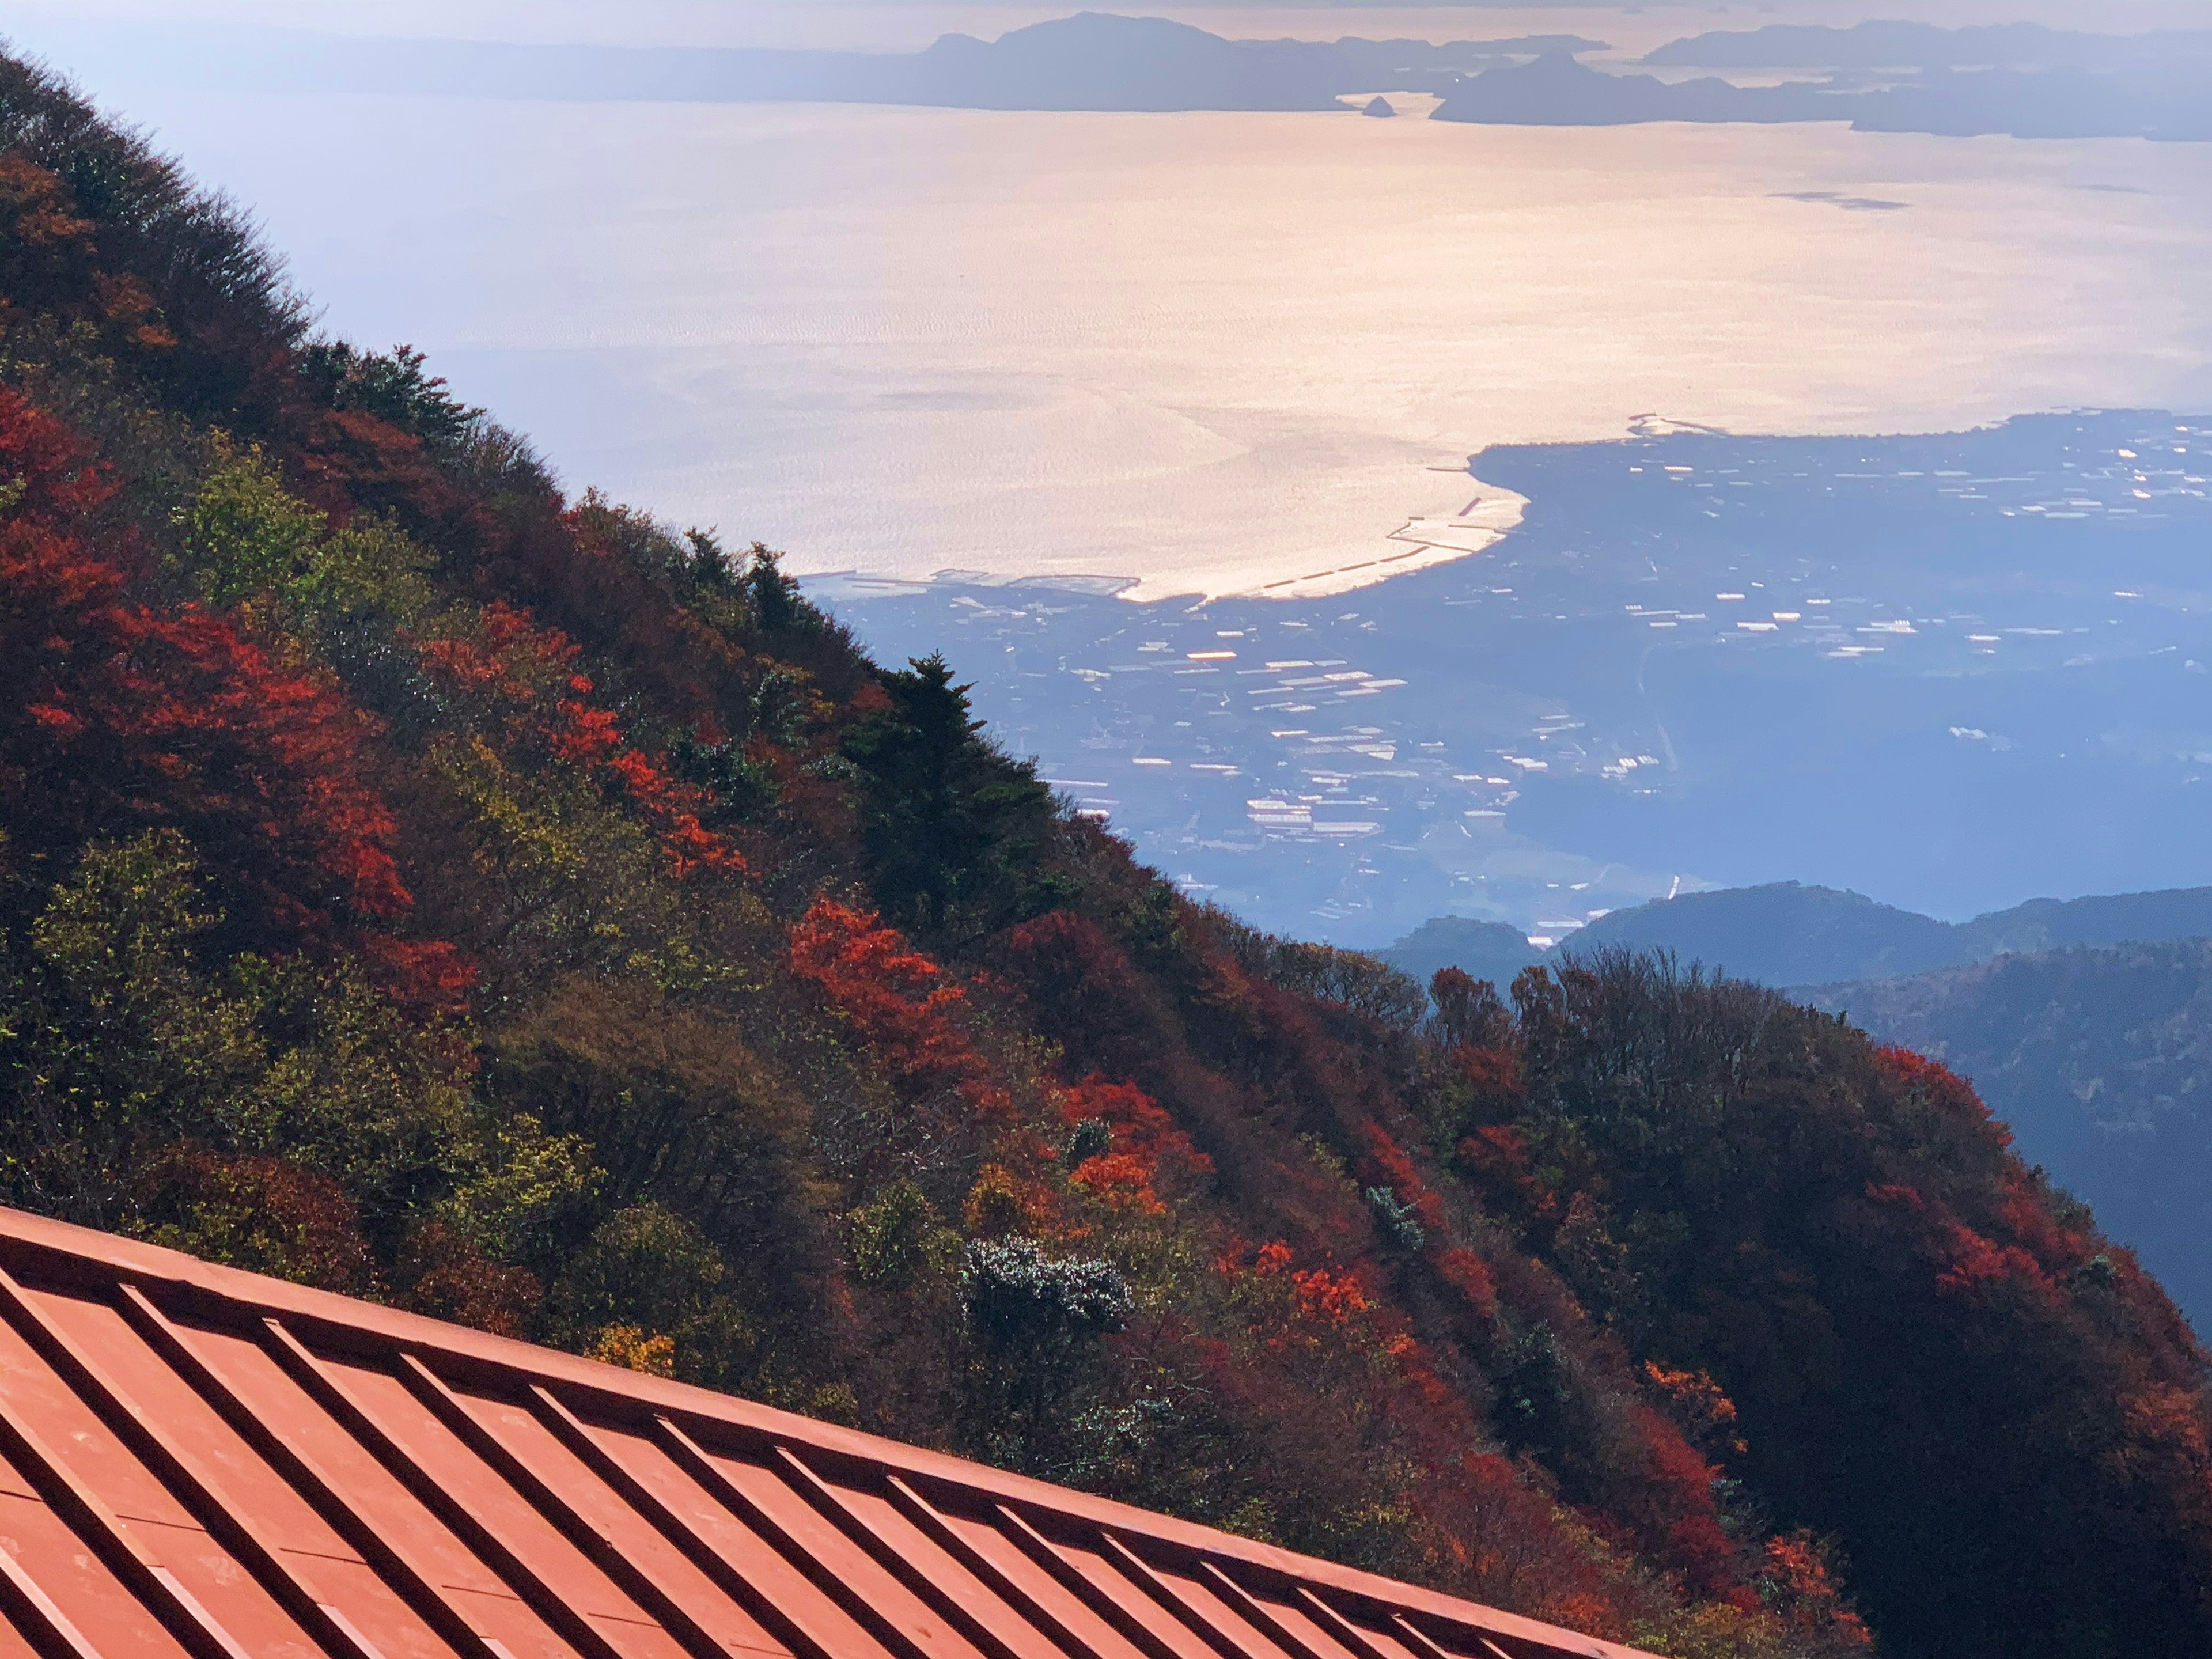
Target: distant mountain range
(2161, 99)
(1788, 934)
(1892, 45)
(1090, 61)
(2021, 79)
(1495, 951)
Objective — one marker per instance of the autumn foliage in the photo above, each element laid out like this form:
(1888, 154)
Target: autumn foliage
(416, 881)
(131, 716)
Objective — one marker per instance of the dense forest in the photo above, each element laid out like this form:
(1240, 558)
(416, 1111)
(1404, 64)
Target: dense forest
(2100, 1061)
(424, 883)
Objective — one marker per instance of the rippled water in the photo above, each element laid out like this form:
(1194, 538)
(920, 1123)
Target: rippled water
(1209, 350)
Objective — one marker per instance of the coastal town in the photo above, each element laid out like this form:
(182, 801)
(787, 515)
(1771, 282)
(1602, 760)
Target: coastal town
(1676, 616)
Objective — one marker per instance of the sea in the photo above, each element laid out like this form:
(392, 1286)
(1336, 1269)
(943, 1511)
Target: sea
(1205, 353)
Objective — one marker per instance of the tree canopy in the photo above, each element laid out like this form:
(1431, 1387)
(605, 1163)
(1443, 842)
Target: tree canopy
(417, 882)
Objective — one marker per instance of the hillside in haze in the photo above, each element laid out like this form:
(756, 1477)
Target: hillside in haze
(422, 882)
(1880, 77)
(1493, 951)
(1787, 933)
(2163, 99)
(2099, 1061)
(2085, 1024)
(1902, 46)
(1091, 60)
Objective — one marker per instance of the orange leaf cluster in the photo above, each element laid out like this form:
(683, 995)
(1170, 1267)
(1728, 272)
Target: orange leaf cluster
(1940, 1089)
(1967, 1262)
(1396, 1171)
(1140, 1125)
(1470, 1275)
(1321, 1297)
(895, 997)
(1120, 1181)
(1805, 1593)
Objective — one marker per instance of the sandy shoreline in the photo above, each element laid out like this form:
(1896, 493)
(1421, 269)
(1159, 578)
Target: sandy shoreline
(1423, 540)
(1419, 543)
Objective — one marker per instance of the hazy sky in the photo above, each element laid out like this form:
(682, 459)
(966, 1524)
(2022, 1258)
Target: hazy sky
(95, 40)
(903, 24)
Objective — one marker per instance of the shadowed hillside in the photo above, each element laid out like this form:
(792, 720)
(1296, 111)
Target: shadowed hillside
(2101, 1063)
(423, 883)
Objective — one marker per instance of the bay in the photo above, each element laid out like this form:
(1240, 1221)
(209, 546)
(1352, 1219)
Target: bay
(1207, 351)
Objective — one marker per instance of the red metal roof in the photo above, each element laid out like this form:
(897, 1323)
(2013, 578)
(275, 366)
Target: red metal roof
(199, 1462)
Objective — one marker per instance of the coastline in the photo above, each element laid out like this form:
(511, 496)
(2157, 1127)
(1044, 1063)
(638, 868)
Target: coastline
(894, 341)
(1422, 541)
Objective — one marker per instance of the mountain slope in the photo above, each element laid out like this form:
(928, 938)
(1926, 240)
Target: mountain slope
(422, 884)
(1893, 45)
(1494, 950)
(2101, 1063)
(1782, 934)
(2176, 913)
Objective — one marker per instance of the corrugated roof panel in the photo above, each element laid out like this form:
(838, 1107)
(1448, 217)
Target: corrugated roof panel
(1063, 1614)
(739, 1559)
(37, 1404)
(61, 1585)
(1290, 1624)
(366, 1600)
(822, 1550)
(14, 1644)
(170, 1412)
(1468, 1646)
(533, 1562)
(433, 1572)
(993, 1622)
(260, 1519)
(1232, 1635)
(1164, 1634)
(197, 1463)
(90, 1451)
(1365, 1635)
(596, 1517)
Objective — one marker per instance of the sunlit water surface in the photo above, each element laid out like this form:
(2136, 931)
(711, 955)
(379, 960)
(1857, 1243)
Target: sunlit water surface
(1214, 350)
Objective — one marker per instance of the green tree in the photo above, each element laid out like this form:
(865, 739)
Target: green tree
(123, 1041)
(393, 387)
(245, 535)
(648, 1269)
(1034, 1322)
(947, 819)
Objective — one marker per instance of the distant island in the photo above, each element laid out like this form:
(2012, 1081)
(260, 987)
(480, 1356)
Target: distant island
(1895, 45)
(2163, 99)
(1890, 77)
(1091, 60)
